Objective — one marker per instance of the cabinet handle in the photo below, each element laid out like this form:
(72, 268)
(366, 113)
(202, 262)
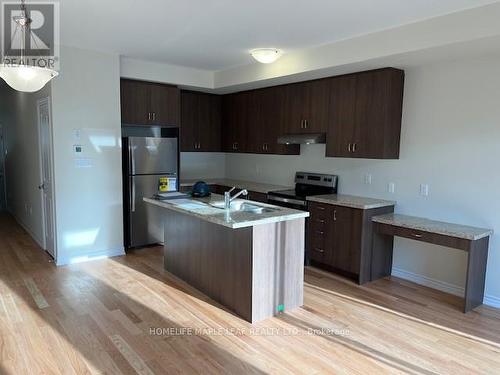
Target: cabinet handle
(195, 145)
(149, 116)
(349, 147)
(354, 145)
(305, 124)
(418, 235)
(319, 250)
(302, 124)
(334, 215)
(320, 221)
(235, 145)
(320, 232)
(154, 116)
(320, 208)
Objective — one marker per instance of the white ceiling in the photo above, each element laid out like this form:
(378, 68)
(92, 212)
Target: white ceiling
(217, 34)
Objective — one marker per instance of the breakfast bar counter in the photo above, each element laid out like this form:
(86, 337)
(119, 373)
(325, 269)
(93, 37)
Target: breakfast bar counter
(474, 241)
(249, 258)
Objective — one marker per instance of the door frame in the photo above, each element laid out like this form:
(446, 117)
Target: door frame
(2, 160)
(39, 103)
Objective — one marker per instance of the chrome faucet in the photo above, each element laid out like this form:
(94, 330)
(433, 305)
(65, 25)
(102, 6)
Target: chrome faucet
(228, 199)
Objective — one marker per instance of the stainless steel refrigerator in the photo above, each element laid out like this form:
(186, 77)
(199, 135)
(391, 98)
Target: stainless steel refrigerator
(145, 161)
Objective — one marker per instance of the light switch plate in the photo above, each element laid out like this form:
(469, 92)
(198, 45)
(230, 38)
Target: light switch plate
(391, 187)
(368, 179)
(424, 190)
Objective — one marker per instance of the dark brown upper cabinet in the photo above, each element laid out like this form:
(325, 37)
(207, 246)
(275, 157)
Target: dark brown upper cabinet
(145, 103)
(200, 122)
(306, 107)
(266, 121)
(365, 115)
(235, 109)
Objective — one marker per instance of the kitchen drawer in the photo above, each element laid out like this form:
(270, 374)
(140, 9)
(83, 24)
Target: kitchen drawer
(318, 223)
(414, 234)
(319, 211)
(318, 253)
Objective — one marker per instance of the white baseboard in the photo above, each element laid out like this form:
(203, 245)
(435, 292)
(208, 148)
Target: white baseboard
(492, 301)
(38, 241)
(441, 285)
(430, 282)
(72, 259)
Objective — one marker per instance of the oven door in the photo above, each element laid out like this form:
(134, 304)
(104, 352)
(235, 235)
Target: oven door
(296, 204)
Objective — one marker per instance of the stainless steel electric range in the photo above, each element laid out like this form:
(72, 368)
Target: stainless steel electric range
(306, 185)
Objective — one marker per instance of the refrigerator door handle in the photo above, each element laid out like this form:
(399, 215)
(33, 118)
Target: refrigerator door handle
(132, 197)
(132, 159)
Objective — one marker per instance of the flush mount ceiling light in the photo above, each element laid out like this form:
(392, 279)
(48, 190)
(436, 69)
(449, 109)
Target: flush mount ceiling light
(266, 55)
(17, 72)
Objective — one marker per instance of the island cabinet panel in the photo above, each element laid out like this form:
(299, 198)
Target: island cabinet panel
(340, 239)
(214, 259)
(200, 122)
(365, 115)
(151, 104)
(278, 265)
(256, 272)
(307, 107)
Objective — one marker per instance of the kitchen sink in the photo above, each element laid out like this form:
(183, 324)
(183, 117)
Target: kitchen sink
(243, 206)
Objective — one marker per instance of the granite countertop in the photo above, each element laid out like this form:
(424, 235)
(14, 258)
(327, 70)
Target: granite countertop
(249, 185)
(432, 226)
(351, 201)
(201, 208)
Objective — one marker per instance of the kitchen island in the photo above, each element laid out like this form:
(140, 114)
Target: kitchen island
(249, 258)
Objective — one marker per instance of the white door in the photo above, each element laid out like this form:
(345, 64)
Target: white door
(3, 199)
(46, 186)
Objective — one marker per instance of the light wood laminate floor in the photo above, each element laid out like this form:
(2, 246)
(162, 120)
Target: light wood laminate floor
(126, 315)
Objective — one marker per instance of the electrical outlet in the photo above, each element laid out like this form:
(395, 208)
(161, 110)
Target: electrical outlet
(424, 190)
(368, 179)
(391, 187)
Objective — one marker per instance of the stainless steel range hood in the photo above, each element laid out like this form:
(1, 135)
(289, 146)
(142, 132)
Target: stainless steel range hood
(302, 139)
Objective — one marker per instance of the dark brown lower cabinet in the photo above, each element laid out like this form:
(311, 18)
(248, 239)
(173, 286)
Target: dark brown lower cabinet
(339, 239)
(252, 195)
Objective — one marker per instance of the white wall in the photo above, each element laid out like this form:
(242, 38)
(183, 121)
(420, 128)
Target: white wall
(450, 140)
(18, 114)
(202, 165)
(86, 96)
(166, 73)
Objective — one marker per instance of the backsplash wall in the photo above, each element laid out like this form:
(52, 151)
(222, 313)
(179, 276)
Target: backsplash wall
(199, 165)
(450, 133)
